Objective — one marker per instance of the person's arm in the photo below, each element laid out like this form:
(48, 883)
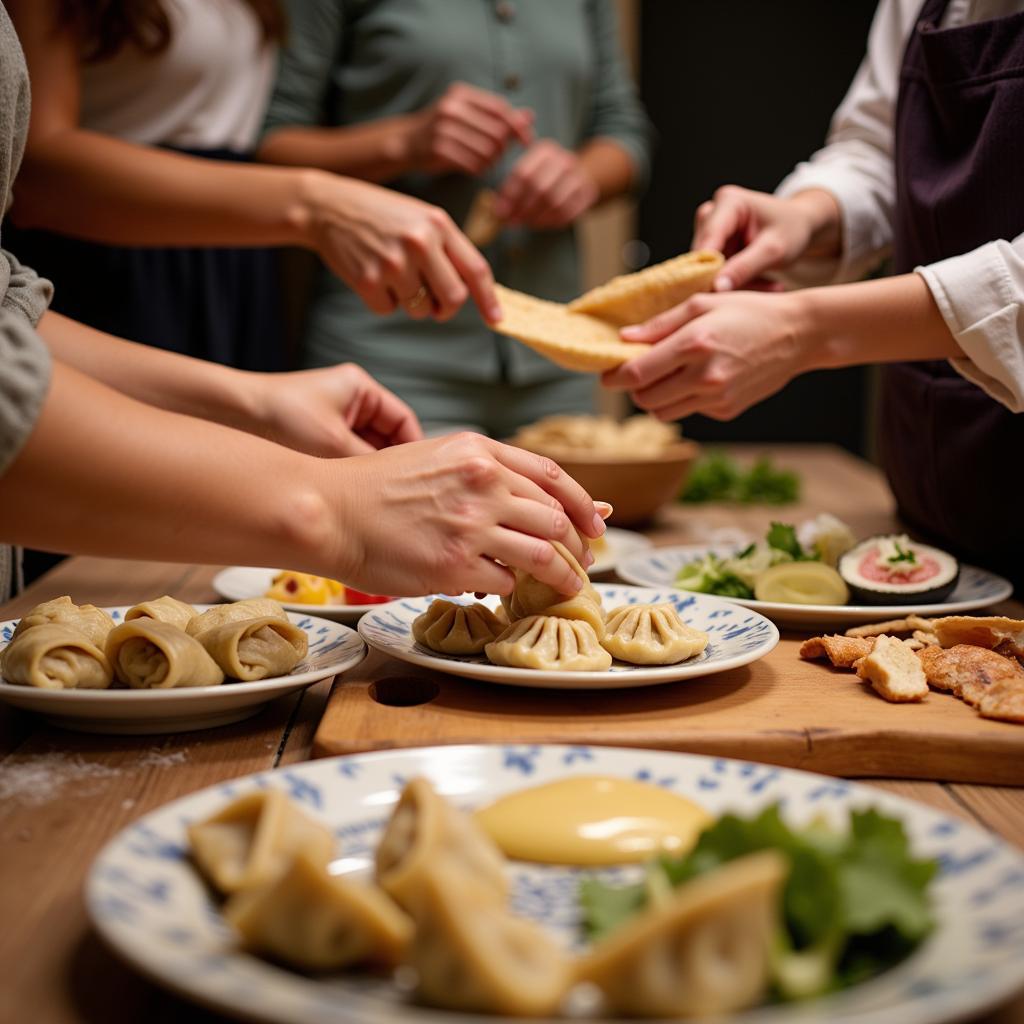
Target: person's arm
(90, 185)
(103, 474)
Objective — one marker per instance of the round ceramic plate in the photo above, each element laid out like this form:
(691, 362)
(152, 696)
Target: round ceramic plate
(738, 637)
(620, 544)
(241, 582)
(148, 902)
(976, 588)
(333, 648)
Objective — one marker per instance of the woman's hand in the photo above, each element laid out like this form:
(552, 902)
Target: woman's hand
(717, 354)
(394, 250)
(759, 232)
(333, 412)
(467, 130)
(440, 515)
(549, 187)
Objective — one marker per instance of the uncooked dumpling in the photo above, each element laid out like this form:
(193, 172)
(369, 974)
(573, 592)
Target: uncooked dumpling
(252, 840)
(89, 621)
(705, 950)
(256, 648)
(531, 597)
(452, 628)
(55, 656)
(316, 921)
(550, 645)
(651, 634)
(219, 614)
(163, 609)
(425, 830)
(471, 954)
(151, 655)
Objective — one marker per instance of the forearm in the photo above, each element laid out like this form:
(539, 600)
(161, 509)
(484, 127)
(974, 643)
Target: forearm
(102, 474)
(891, 320)
(609, 165)
(379, 151)
(93, 186)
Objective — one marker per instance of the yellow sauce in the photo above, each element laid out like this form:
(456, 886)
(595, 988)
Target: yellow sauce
(593, 820)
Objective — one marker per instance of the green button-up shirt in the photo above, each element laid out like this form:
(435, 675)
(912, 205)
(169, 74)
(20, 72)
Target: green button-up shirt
(352, 61)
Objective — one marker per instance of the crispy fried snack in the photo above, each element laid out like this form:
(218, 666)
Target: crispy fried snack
(991, 631)
(894, 670)
(842, 651)
(980, 677)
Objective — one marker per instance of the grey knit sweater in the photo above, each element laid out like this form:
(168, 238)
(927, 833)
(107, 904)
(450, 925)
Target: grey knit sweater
(24, 296)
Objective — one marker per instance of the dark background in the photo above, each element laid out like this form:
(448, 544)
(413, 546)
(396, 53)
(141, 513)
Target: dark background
(739, 92)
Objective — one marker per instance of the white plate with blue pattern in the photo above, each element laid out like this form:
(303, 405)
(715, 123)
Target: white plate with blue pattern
(737, 637)
(333, 648)
(148, 902)
(976, 588)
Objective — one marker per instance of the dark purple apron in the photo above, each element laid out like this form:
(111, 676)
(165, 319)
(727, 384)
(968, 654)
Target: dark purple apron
(953, 454)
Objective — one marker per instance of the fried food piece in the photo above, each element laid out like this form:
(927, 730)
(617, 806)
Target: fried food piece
(991, 631)
(926, 638)
(573, 341)
(968, 671)
(894, 670)
(633, 298)
(842, 651)
(873, 629)
(482, 224)
(1004, 701)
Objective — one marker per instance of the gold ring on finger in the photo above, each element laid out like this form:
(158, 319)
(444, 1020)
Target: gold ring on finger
(418, 299)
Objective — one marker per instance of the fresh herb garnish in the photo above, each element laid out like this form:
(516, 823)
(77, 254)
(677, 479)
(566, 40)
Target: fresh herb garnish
(782, 537)
(903, 554)
(717, 477)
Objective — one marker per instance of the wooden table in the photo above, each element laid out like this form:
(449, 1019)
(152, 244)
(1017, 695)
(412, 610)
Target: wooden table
(63, 794)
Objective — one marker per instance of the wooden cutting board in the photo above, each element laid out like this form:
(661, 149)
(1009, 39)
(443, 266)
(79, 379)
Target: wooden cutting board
(781, 710)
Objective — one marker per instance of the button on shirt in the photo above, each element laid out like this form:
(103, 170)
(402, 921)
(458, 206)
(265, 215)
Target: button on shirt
(980, 294)
(350, 62)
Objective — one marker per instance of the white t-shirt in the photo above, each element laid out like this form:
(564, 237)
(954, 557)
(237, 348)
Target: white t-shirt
(980, 293)
(208, 90)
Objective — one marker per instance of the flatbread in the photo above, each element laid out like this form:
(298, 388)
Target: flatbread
(633, 298)
(483, 225)
(573, 341)
(842, 651)
(894, 670)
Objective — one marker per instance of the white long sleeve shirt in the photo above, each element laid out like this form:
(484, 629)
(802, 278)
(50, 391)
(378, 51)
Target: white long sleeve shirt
(980, 294)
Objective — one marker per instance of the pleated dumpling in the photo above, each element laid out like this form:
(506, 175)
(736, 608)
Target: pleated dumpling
(316, 921)
(55, 656)
(163, 609)
(252, 840)
(251, 649)
(531, 597)
(89, 621)
(550, 645)
(425, 830)
(150, 655)
(651, 634)
(236, 611)
(452, 628)
(705, 950)
(471, 954)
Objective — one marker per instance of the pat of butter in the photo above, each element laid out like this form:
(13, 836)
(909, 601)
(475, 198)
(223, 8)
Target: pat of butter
(593, 820)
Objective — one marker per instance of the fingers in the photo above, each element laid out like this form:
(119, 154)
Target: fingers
(487, 577)
(372, 289)
(388, 418)
(535, 193)
(540, 519)
(720, 218)
(766, 251)
(475, 271)
(536, 557)
(672, 354)
(659, 327)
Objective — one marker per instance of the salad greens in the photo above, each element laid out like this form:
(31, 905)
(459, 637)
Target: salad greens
(854, 903)
(717, 477)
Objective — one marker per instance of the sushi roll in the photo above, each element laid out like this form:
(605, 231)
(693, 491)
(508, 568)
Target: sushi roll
(896, 570)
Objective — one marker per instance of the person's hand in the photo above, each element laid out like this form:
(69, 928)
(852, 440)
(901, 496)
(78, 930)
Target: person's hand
(394, 250)
(467, 130)
(450, 514)
(716, 354)
(548, 188)
(333, 412)
(759, 232)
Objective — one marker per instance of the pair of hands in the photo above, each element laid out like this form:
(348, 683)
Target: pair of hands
(720, 353)
(468, 130)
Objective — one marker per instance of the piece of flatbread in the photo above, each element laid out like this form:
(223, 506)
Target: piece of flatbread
(894, 670)
(633, 298)
(842, 651)
(991, 631)
(482, 224)
(909, 624)
(925, 637)
(970, 672)
(573, 341)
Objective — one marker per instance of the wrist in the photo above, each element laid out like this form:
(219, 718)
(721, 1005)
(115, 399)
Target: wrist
(824, 343)
(400, 148)
(306, 209)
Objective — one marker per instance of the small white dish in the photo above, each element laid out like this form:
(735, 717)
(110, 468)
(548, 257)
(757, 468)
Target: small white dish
(147, 900)
(977, 588)
(738, 637)
(333, 649)
(241, 582)
(620, 544)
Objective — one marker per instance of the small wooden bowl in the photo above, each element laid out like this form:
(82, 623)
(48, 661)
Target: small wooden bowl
(635, 488)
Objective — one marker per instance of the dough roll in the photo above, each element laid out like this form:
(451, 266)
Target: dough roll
(237, 611)
(147, 654)
(163, 609)
(87, 620)
(54, 656)
(256, 648)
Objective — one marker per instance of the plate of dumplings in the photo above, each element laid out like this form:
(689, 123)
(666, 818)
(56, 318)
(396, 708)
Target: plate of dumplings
(605, 636)
(163, 665)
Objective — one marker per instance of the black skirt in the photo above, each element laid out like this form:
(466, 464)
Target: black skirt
(223, 305)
